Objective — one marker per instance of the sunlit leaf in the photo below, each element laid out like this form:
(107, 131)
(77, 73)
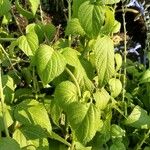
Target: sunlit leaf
(49, 63)
(84, 120)
(34, 5)
(91, 18)
(138, 118)
(104, 59)
(29, 43)
(31, 112)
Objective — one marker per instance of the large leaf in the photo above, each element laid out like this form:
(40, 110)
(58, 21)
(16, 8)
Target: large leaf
(74, 28)
(84, 120)
(31, 137)
(104, 59)
(31, 112)
(138, 118)
(5, 6)
(9, 144)
(75, 7)
(29, 43)
(79, 72)
(49, 63)
(146, 77)
(34, 5)
(91, 17)
(66, 92)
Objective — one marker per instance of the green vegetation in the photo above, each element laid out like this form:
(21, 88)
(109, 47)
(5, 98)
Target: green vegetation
(72, 92)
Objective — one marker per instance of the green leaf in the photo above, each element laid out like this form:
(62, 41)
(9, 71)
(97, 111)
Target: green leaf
(8, 115)
(110, 1)
(74, 28)
(102, 98)
(138, 118)
(104, 59)
(34, 5)
(109, 21)
(115, 86)
(49, 63)
(9, 144)
(49, 31)
(117, 131)
(8, 88)
(65, 93)
(24, 136)
(118, 60)
(91, 18)
(79, 71)
(146, 77)
(5, 6)
(79, 146)
(75, 7)
(84, 120)
(31, 112)
(117, 144)
(22, 11)
(29, 43)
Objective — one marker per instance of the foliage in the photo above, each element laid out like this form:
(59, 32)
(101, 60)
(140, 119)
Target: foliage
(74, 92)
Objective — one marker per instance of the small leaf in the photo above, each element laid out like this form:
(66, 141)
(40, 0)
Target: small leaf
(74, 28)
(102, 98)
(5, 6)
(84, 120)
(31, 112)
(118, 60)
(146, 77)
(22, 11)
(117, 131)
(8, 88)
(115, 86)
(65, 93)
(138, 118)
(9, 144)
(104, 59)
(34, 5)
(8, 115)
(29, 43)
(49, 63)
(91, 17)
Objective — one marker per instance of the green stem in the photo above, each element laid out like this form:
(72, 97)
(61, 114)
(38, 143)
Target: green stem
(72, 145)
(3, 105)
(7, 39)
(143, 141)
(5, 53)
(125, 59)
(75, 81)
(69, 18)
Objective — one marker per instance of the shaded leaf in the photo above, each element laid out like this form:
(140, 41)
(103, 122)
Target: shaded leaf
(5, 6)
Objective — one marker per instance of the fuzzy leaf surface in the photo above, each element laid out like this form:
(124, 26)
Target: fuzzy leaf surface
(104, 59)
(84, 120)
(49, 63)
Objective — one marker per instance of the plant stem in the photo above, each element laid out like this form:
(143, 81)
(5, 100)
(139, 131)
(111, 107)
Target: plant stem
(3, 105)
(72, 145)
(142, 142)
(7, 39)
(75, 81)
(69, 18)
(125, 58)
(5, 53)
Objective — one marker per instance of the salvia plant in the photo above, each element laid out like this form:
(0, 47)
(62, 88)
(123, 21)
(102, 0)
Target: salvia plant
(74, 91)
